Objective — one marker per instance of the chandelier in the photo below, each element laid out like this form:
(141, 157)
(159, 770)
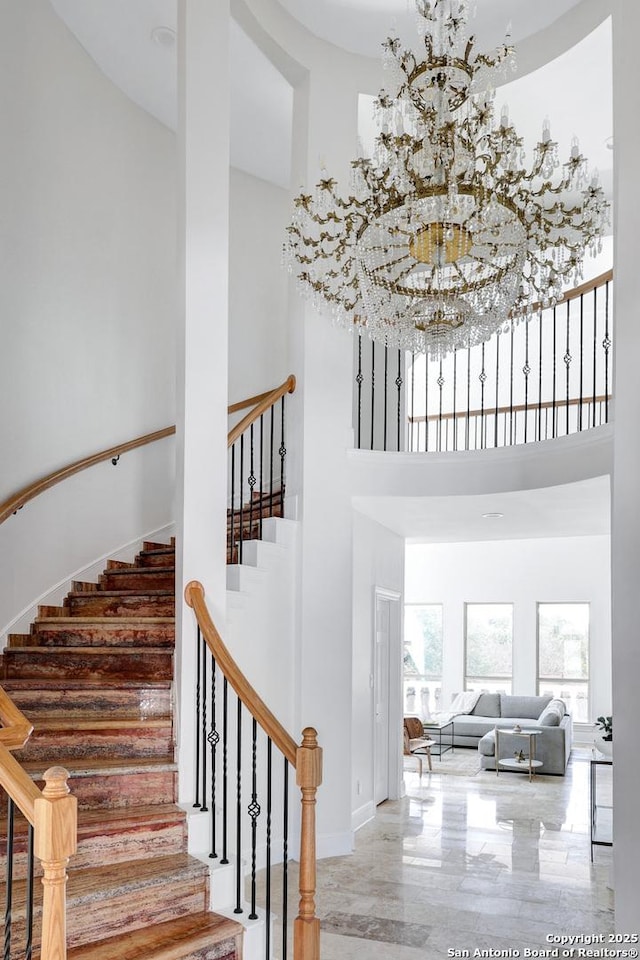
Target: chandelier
(445, 237)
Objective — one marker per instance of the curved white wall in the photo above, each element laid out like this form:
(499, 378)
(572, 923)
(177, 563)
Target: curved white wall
(88, 293)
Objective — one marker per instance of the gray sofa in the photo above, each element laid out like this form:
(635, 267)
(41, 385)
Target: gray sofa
(492, 710)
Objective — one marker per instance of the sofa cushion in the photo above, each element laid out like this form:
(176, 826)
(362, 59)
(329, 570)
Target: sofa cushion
(488, 705)
(522, 708)
(552, 714)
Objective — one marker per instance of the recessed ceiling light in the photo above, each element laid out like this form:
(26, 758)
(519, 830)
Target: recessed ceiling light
(492, 516)
(164, 37)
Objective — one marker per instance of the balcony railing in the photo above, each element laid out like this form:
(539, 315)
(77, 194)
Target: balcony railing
(548, 376)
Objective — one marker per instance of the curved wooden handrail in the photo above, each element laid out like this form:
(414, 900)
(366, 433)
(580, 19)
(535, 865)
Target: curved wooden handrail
(265, 401)
(18, 500)
(194, 595)
(558, 405)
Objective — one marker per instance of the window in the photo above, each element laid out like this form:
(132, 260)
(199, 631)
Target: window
(563, 655)
(488, 647)
(422, 670)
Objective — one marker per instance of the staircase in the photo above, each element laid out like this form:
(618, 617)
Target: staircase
(94, 677)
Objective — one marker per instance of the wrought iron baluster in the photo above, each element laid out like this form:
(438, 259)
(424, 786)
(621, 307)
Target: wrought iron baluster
(399, 382)
(261, 472)
(359, 379)
(232, 512)
(526, 370)
(595, 351)
(203, 661)
(511, 423)
(8, 906)
(467, 439)
(241, 526)
(495, 425)
(225, 769)
(267, 905)
(214, 739)
(606, 343)
(426, 403)
(282, 451)
(238, 906)
(413, 388)
(373, 388)
(455, 417)
(198, 716)
(271, 438)
(386, 391)
(553, 392)
(540, 377)
(581, 361)
(483, 379)
(251, 481)
(440, 381)
(254, 813)
(567, 362)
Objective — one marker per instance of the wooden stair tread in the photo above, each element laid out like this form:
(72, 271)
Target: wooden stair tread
(104, 621)
(143, 594)
(88, 767)
(108, 684)
(89, 651)
(155, 571)
(113, 818)
(88, 722)
(92, 882)
(163, 941)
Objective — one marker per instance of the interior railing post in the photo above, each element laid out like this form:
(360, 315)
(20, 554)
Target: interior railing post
(385, 397)
(595, 350)
(271, 438)
(581, 362)
(359, 379)
(306, 928)
(567, 362)
(261, 472)
(495, 425)
(232, 512)
(373, 389)
(540, 375)
(526, 370)
(28, 953)
(267, 903)
(399, 382)
(203, 660)
(413, 388)
(553, 391)
(251, 481)
(282, 451)
(225, 769)
(254, 813)
(455, 417)
(56, 830)
(241, 521)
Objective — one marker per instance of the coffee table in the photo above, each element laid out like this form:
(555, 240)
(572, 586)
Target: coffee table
(528, 764)
(435, 728)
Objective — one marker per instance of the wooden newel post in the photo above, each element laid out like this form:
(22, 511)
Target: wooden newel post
(55, 840)
(306, 926)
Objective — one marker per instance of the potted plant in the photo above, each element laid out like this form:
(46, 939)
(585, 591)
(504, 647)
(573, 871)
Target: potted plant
(604, 738)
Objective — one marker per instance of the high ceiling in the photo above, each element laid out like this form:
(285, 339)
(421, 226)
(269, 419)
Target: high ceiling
(575, 90)
(361, 25)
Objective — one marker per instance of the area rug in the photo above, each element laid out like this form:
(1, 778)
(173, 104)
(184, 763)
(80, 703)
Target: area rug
(461, 762)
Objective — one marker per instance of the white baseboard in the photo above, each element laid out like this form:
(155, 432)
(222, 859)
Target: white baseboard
(54, 597)
(362, 815)
(334, 844)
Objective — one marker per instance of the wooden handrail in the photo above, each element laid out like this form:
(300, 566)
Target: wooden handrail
(194, 595)
(518, 408)
(265, 401)
(18, 500)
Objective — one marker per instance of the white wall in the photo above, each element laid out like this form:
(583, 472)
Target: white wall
(521, 572)
(258, 285)
(378, 561)
(87, 299)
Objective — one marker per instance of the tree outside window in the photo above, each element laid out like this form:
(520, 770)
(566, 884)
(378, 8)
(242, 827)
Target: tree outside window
(422, 668)
(488, 647)
(563, 655)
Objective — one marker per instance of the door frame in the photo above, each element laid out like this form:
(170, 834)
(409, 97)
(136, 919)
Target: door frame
(396, 623)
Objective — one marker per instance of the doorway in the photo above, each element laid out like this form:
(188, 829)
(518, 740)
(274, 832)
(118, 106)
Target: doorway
(387, 695)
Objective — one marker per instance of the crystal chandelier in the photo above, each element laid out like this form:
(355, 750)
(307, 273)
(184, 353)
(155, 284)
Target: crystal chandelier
(445, 237)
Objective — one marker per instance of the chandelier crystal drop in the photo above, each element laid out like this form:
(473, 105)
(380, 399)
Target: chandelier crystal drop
(445, 237)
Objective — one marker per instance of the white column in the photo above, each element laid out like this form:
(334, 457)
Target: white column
(626, 469)
(203, 244)
(325, 132)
